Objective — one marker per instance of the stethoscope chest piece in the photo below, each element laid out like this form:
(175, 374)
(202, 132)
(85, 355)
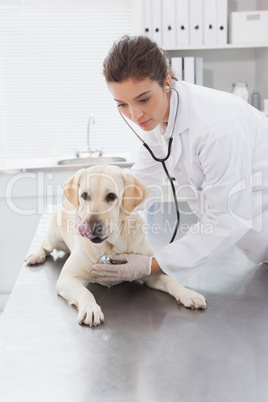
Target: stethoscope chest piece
(106, 259)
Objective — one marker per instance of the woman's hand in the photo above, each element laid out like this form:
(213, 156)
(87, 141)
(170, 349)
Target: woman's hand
(135, 267)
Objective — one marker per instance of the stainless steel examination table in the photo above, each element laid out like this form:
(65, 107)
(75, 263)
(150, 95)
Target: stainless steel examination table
(149, 349)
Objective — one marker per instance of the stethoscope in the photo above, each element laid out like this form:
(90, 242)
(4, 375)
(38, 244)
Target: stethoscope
(163, 160)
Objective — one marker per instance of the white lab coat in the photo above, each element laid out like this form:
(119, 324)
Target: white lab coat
(220, 161)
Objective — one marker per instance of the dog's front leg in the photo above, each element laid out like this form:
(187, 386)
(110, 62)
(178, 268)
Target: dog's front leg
(187, 297)
(70, 286)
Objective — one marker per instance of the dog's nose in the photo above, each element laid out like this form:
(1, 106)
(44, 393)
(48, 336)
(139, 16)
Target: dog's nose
(96, 227)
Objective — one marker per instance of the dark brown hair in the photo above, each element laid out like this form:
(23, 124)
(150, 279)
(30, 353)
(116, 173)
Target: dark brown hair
(136, 57)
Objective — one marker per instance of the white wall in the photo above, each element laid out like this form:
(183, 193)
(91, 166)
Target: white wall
(242, 5)
(262, 60)
(262, 74)
(262, 5)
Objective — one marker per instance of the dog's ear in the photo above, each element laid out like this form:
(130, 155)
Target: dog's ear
(135, 192)
(70, 188)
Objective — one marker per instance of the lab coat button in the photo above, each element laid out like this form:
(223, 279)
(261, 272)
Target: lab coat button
(177, 170)
(245, 251)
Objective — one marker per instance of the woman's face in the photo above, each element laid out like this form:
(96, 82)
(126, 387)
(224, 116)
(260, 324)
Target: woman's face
(144, 102)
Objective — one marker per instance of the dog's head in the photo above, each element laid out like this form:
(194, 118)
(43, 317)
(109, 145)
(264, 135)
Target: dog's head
(102, 196)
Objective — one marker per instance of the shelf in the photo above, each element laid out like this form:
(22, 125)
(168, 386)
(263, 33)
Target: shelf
(224, 47)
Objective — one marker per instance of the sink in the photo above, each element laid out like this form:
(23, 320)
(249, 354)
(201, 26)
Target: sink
(92, 160)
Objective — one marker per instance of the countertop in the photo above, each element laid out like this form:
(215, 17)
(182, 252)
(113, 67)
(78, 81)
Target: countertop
(50, 163)
(149, 349)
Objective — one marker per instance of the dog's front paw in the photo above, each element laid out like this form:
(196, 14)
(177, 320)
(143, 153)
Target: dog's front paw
(37, 257)
(90, 315)
(192, 299)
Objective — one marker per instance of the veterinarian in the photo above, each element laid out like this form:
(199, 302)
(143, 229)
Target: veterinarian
(219, 158)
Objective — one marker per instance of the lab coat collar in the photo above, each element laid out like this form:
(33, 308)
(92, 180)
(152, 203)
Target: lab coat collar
(182, 123)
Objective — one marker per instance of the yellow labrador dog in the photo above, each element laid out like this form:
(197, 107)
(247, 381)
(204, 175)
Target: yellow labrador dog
(97, 219)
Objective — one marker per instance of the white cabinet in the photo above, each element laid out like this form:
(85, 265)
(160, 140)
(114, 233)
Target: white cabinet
(16, 233)
(24, 198)
(228, 64)
(224, 65)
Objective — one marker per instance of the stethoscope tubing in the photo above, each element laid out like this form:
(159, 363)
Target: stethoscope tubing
(163, 160)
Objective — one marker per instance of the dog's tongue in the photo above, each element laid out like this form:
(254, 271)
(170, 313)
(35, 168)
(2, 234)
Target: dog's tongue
(84, 230)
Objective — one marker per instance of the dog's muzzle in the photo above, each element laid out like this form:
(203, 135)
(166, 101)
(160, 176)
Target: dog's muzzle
(93, 229)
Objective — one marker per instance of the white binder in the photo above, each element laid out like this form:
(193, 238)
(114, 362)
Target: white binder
(182, 23)
(198, 70)
(222, 12)
(156, 22)
(196, 22)
(169, 23)
(176, 65)
(210, 25)
(147, 18)
(189, 69)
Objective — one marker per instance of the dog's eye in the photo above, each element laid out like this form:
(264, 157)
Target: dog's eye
(85, 196)
(111, 197)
